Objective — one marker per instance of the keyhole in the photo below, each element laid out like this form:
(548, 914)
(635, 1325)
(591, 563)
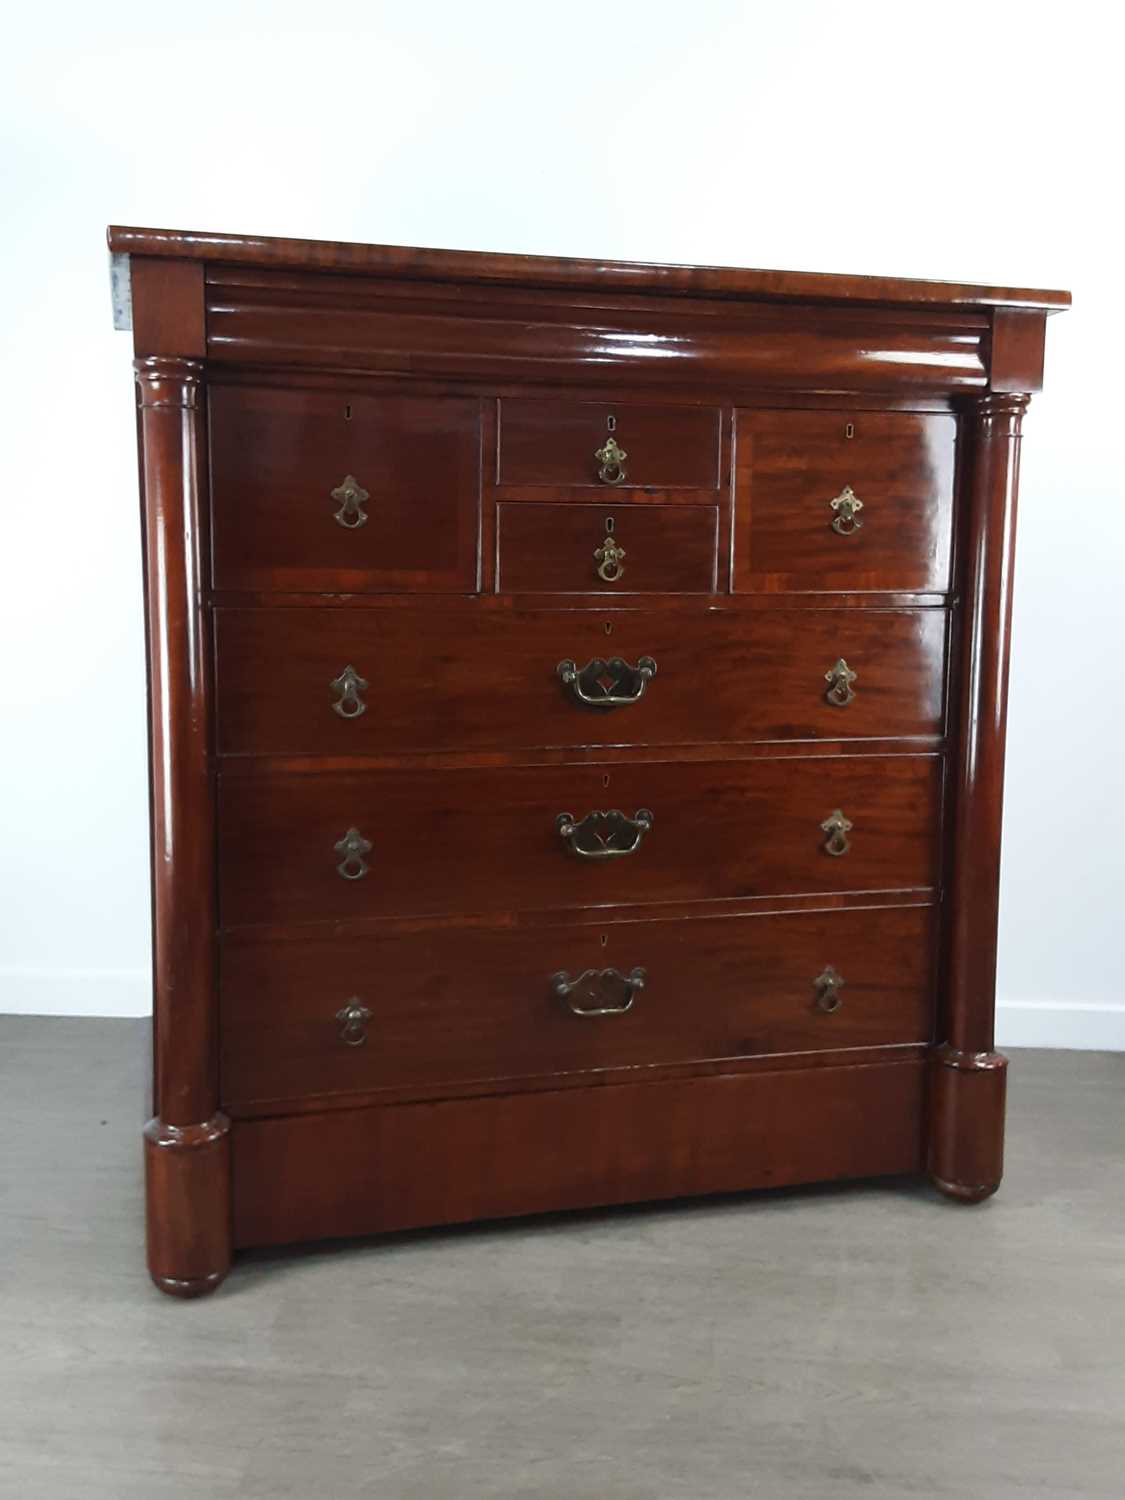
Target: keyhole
(609, 525)
(605, 782)
(348, 412)
(605, 939)
(609, 627)
(849, 430)
(611, 424)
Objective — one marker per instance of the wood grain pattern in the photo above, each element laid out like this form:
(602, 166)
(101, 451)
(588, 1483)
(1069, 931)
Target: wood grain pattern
(791, 465)
(487, 840)
(457, 678)
(277, 455)
(669, 549)
(478, 1006)
(407, 262)
(555, 442)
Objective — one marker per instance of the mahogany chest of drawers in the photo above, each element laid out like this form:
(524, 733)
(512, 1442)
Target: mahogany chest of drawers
(577, 721)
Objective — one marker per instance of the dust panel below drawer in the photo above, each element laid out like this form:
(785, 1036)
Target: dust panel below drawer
(368, 1171)
(307, 1017)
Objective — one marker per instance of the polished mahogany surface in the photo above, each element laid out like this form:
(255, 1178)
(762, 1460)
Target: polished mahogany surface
(558, 442)
(577, 713)
(479, 1004)
(791, 466)
(670, 549)
(283, 517)
(487, 840)
(449, 677)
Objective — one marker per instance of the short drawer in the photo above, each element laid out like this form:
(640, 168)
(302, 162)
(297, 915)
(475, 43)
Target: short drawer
(332, 490)
(334, 847)
(469, 677)
(304, 1017)
(618, 549)
(608, 445)
(839, 500)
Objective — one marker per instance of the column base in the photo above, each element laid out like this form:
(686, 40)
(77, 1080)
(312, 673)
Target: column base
(966, 1129)
(188, 1205)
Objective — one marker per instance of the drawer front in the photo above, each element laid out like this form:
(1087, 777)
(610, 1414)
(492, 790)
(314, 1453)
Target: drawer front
(564, 443)
(457, 678)
(343, 847)
(610, 549)
(307, 1016)
(819, 509)
(333, 490)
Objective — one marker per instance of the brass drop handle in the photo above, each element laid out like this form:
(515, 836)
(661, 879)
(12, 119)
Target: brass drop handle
(828, 985)
(611, 459)
(837, 827)
(845, 512)
(604, 835)
(352, 498)
(349, 685)
(608, 556)
(352, 848)
(839, 679)
(352, 1019)
(591, 985)
(607, 684)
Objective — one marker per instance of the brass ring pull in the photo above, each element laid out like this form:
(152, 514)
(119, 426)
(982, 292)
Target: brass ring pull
(608, 556)
(611, 459)
(607, 684)
(828, 986)
(839, 679)
(846, 508)
(352, 497)
(352, 848)
(837, 827)
(353, 1019)
(604, 835)
(591, 982)
(349, 685)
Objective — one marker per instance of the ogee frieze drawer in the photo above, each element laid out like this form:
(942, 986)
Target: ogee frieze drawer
(391, 679)
(843, 500)
(604, 444)
(339, 847)
(309, 1016)
(330, 489)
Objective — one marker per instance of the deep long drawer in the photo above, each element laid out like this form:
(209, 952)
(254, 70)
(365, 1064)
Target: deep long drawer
(309, 1016)
(475, 679)
(344, 847)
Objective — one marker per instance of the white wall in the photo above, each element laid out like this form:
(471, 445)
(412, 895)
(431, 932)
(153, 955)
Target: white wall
(968, 142)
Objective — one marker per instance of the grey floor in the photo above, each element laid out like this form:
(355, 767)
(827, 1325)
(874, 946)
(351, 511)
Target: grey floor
(817, 1344)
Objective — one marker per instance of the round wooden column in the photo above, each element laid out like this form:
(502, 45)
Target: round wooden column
(967, 1078)
(187, 1144)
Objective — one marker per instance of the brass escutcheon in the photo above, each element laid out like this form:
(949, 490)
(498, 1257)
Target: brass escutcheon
(353, 1019)
(839, 679)
(607, 684)
(611, 459)
(352, 497)
(590, 984)
(837, 827)
(608, 556)
(349, 685)
(352, 848)
(827, 986)
(846, 508)
(604, 835)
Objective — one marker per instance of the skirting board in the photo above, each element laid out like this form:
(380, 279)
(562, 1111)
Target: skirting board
(44, 992)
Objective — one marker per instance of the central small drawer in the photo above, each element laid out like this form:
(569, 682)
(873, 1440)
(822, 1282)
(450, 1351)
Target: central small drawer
(620, 549)
(332, 847)
(306, 1016)
(608, 445)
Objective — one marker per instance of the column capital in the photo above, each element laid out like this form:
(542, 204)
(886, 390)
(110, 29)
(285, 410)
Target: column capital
(996, 404)
(163, 380)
